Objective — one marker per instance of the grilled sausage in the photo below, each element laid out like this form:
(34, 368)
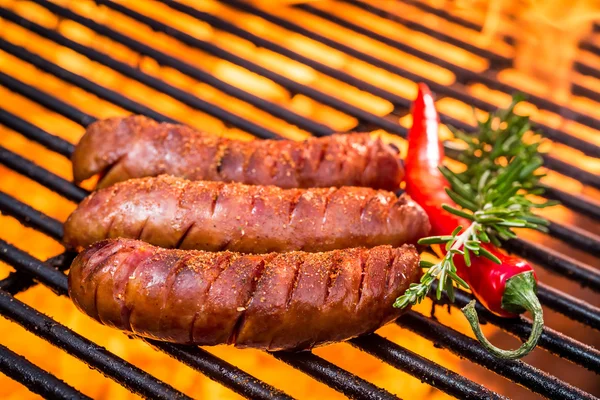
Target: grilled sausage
(177, 213)
(294, 300)
(134, 147)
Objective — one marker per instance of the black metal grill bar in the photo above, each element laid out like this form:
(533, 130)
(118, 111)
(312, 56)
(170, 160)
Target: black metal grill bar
(34, 378)
(31, 217)
(461, 95)
(465, 76)
(84, 83)
(517, 371)
(579, 203)
(580, 90)
(138, 75)
(556, 262)
(551, 340)
(164, 59)
(30, 131)
(398, 101)
(40, 175)
(22, 261)
(435, 375)
(583, 176)
(289, 84)
(17, 281)
(592, 48)
(579, 238)
(44, 99)
(333, 376)
(119, 370)
(569, 306)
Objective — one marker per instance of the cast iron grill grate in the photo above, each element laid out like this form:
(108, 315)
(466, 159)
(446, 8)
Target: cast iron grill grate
(29, 270)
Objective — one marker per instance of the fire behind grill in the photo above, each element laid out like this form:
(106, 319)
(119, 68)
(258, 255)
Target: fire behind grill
(355, 113)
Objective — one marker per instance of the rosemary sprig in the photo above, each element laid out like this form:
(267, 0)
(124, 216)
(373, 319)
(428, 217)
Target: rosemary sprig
(491, 193)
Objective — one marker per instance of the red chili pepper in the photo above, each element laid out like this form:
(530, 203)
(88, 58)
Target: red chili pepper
(506, 289)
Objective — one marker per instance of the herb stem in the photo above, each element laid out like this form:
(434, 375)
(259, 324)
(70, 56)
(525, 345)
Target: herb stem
(464, 236)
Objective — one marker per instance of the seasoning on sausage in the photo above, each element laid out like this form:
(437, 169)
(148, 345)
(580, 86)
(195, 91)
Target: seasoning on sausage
(288, 301)
(177, 213)
(136, 146)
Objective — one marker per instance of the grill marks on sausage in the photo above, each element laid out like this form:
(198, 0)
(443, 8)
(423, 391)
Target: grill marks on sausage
(388, 270)
(112, 169)
(326, 207)
(363, 265)
(185, 230)
(131, 265)
(172, 275)
(215, 200)
(239, 323)
(224, 263)
(293, 205)
(134, 147)
(184, 235)
(298, 268)
(367, 160)
(322, 155)
(218, 159)
(333, 271)
(111, 215)
(140, 234)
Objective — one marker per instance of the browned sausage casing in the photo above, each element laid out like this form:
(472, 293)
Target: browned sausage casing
(134, 147)
(295, 300)
(177, 213)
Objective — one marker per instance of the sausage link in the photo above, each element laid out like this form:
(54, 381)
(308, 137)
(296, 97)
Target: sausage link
(176, 213)
(136, 146)
(288, 301)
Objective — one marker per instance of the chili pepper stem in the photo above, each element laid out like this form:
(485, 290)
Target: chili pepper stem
(519, 295)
